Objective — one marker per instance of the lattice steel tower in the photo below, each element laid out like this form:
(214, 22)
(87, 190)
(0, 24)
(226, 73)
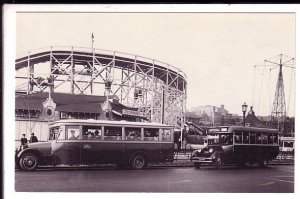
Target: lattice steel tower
(278, 113)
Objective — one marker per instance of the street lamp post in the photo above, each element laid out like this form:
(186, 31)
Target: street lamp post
(244, 109)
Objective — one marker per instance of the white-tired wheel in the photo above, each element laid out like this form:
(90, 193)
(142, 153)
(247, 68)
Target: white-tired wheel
(29, 162)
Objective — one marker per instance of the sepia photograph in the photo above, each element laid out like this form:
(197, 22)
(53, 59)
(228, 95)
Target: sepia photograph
(149, 99)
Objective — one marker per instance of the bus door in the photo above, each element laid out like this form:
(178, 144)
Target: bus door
(72, 145)
(91, 135)
(226, 141)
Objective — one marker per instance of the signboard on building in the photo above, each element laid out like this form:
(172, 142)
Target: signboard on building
(133, 113)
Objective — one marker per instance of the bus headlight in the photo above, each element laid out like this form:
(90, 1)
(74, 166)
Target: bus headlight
(211, 150)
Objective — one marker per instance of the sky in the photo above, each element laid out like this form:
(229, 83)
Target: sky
(217, 51)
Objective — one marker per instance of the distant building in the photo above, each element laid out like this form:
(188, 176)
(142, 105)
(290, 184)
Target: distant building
(215, 116)
(34, 111)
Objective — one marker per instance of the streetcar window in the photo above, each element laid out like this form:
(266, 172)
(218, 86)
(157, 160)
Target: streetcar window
(252, 138)
(151, 134)
(132, 133)
(238, 137)
(54, 132)
(245, 137)
(112, 133)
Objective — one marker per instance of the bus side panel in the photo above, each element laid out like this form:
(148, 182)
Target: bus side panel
(167, 150)
(254, 153)
(108, 152)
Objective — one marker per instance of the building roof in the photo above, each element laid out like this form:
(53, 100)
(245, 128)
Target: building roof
(253, 121)
(66, 102)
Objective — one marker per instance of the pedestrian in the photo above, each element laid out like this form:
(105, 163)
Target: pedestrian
(176, 147)
(24, 139)
(184, 143)
(179, 144)
(33, 138)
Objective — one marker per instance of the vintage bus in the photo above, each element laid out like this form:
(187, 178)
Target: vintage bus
(86, 142)
(239, 145)
(287, 145)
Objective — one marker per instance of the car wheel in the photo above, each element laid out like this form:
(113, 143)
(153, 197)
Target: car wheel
(29, 162)
(197, 165)
(138, 162)
(218, 162)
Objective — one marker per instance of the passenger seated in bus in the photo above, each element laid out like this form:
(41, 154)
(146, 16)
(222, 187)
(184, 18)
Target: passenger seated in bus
(90, 135)
(73, 137)
(97, 135)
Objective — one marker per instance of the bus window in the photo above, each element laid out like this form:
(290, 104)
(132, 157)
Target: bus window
(275, 139)
(226, 139)
(258, 138)
(288, 144)
(112, 133)
(166, 135)
(252, 138)
(271, 137)
(245, 138)
(72, 132)
(151, 134)
(238, 137)
(264, 138)
(132, 133)
(91, 132)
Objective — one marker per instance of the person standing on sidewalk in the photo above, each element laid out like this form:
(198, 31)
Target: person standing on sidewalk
(184, 143)
(24, 140)
(33, 138)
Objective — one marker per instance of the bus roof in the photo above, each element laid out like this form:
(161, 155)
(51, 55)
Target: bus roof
(107, 122)
(242, 128)
(254, 129)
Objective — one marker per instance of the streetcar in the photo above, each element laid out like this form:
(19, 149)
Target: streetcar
(239, 145)
(86, 142)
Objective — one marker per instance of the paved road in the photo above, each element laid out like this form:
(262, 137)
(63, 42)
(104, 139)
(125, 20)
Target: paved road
(276, 178)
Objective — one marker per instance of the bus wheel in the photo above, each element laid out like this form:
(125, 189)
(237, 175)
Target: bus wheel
(197, 165)
(29, 162)
(264, 163)
(138, 162)
(218, 162)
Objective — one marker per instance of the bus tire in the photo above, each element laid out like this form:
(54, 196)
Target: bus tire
(197, 165)
(264, 162)
(138, 161)
(29, 162)
(218, 162)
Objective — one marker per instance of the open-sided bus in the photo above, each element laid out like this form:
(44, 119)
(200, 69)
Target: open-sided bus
(85, 142)
(239, 145)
